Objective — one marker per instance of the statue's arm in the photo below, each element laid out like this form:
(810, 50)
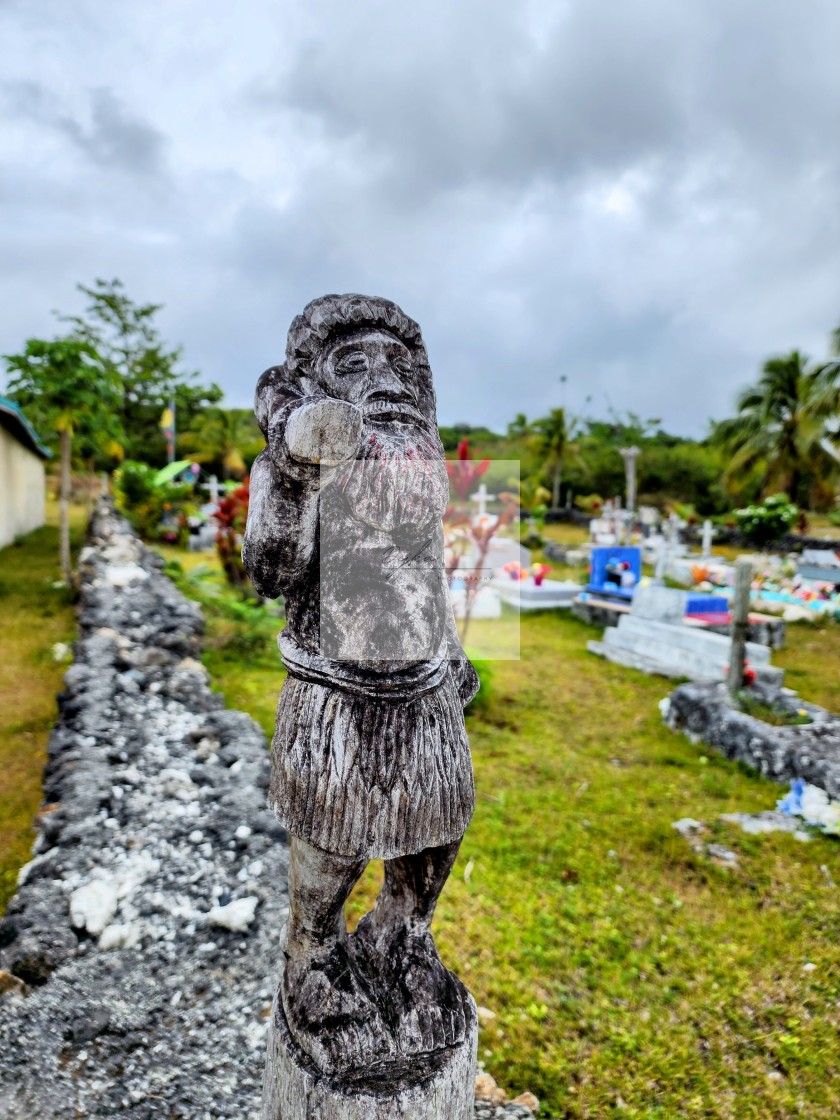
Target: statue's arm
(463, 670)
(286, 478)
(280, 532)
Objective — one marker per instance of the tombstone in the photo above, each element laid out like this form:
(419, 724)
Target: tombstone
(660, 604)
(630, 455)
(212, 487)
(706, 540)
(607, 579)
(481, 498)
(370, 756)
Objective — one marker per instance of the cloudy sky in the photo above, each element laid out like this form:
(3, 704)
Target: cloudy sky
(641, 196)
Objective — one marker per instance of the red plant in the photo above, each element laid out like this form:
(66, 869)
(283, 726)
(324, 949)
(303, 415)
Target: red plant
(749, 675)
(464, 472)
(231, 515)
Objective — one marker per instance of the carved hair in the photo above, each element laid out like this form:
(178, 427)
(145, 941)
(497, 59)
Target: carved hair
(321, 323)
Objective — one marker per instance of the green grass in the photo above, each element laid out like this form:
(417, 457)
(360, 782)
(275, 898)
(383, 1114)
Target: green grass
(629, 976)
(35, 616)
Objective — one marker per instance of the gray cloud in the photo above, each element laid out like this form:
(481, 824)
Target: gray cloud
(639, 196)
(113, 137)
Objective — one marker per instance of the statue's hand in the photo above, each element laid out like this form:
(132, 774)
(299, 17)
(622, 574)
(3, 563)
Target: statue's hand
(326, 432)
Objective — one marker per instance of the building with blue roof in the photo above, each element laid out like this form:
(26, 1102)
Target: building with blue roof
(23, 487)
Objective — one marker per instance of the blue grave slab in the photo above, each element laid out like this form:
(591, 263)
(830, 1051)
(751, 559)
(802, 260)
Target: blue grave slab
(605, 571)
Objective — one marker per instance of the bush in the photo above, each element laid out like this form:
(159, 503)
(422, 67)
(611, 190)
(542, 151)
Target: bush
(232, 515)
(768, 522)
(157, 512)
(133, 484)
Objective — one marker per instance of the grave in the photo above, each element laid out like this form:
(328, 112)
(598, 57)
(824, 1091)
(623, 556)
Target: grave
(525, 595)
(821, 565)
(654, 639)
(614, 572)
(699, 611)
(677, 651)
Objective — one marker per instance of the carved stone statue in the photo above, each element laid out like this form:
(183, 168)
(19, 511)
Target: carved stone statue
(370, 758)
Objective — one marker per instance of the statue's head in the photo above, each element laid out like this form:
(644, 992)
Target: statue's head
(363, 350)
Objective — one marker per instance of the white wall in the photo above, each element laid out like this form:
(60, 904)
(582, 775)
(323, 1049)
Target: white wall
(22, 489)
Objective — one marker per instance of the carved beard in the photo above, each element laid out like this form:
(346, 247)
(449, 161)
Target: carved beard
(399, 479)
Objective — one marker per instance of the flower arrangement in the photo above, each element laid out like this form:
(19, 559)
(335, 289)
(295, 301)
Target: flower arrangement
(515, 570)
(749, 674)
(539, 572)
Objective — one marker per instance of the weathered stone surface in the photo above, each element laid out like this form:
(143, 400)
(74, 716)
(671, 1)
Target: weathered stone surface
(370, 757)
(810, 751)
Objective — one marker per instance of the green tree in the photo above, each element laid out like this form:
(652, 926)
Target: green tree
(126, 336)
(223, 435)
(783, 424)
(555, 443)
(67, 389)
(519, 426)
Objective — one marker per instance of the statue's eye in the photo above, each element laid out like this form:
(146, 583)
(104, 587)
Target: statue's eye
(354, 362)
(402, 364)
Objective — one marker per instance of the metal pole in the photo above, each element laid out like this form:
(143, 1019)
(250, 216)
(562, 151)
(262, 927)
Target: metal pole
(740, 622)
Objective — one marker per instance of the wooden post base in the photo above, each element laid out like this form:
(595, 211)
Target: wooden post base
(439, 1087)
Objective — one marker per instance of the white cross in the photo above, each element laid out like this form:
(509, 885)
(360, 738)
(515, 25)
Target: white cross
(482, 497)
(212, 487)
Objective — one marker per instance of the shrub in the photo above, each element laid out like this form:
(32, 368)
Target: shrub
(768, 522)
(231, 515)
(157, 512)
(133, 484)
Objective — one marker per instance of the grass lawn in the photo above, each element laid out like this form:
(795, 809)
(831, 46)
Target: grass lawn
(35, 616)
(629, 977)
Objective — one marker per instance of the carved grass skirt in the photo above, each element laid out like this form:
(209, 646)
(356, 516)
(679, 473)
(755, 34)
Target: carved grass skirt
(369, 777)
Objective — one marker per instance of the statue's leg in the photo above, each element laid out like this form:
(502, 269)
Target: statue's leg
(328, 1005)
(427, 1001)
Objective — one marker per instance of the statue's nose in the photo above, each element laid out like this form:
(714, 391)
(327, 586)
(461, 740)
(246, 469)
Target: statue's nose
(385, 381)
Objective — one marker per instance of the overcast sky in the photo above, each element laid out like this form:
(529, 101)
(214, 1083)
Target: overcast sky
(642, 196)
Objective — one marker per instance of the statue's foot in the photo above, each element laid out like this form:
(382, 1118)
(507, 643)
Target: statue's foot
(425, 1001)
(331, 1015)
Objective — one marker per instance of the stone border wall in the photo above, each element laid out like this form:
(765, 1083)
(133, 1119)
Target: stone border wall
(141, 951)
(810, 751)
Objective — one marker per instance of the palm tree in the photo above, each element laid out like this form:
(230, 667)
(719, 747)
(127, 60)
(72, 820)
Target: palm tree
(555, 443)
(222, 435)
(783, 423)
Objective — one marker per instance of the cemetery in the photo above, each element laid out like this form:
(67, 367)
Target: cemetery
(421, 704)
(194, 898)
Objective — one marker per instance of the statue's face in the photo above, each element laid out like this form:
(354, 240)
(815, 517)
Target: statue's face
(375, 371)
